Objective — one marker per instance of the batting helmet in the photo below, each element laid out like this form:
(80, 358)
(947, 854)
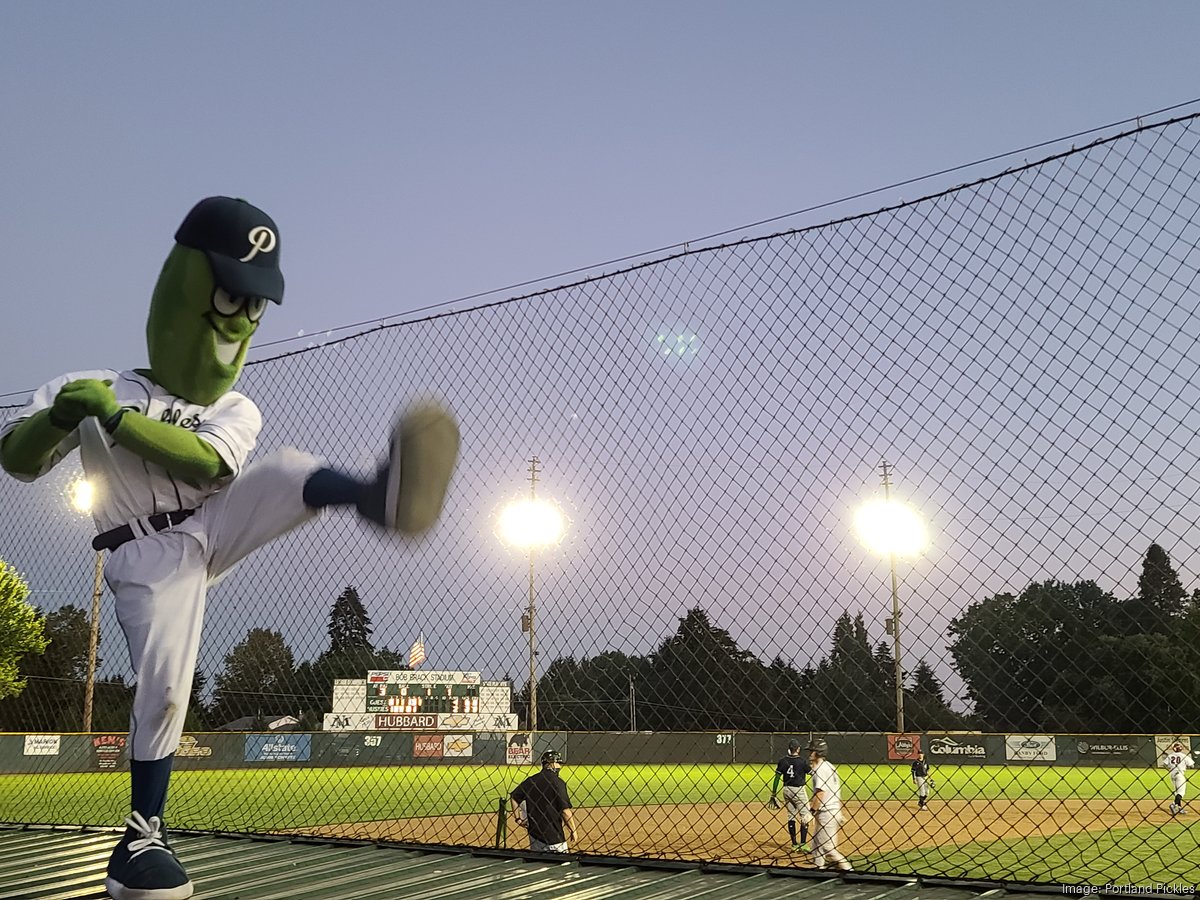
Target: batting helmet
(793, 745)
(551, 757)
(819, 747)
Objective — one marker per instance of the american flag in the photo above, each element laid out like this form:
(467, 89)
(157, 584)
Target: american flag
(416, 653)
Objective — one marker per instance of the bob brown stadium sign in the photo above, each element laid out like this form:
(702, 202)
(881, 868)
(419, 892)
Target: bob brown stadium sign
(945, 746)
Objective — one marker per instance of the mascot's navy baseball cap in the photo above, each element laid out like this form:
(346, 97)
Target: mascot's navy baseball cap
(241, 243)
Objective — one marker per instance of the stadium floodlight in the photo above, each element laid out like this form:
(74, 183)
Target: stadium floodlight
(893, 529)
(82, 496)
(531, 524)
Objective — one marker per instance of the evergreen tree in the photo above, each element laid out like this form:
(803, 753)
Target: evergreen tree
(1160, 597)
(256, 678)
(349, 625)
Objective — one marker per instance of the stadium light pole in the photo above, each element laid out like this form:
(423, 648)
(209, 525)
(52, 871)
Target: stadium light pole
(82, 497)
(892, 529)
(531, 525)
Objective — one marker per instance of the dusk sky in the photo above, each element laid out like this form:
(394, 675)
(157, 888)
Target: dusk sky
(413, 153)
(413, 156)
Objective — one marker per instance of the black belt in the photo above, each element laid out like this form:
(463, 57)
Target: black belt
(115, 537)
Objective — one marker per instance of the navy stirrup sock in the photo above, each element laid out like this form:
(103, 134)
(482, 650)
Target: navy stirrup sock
(148, 785)
(328, 487)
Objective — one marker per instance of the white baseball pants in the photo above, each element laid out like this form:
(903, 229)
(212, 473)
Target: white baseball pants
(160, 583)
(825, 839)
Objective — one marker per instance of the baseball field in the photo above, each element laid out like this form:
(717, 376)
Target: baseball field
(1075, 825)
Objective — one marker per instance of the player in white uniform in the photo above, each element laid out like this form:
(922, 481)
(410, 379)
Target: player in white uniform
(177, 505)
(1177, 761)
(826, 808)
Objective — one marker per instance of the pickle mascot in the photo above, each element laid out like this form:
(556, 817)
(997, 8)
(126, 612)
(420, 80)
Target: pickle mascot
(177, 505)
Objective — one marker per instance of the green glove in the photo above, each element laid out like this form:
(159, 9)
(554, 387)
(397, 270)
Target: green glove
(77, 400)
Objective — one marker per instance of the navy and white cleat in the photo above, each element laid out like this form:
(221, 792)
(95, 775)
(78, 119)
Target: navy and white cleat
(409, 489)
(143, 866)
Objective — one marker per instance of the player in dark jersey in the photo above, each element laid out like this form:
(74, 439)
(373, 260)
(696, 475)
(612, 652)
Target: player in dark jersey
(793, 771)
(920, 777)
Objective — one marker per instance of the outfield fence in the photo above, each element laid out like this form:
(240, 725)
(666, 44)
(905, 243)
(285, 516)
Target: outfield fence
(56, 754)
(930, 469)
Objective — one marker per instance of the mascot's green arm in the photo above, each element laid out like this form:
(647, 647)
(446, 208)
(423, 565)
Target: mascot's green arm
(176, 449)
(27, 447)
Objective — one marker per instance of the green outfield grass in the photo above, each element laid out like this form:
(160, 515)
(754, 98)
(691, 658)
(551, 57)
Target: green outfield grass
(1167, 854)
(278, 799)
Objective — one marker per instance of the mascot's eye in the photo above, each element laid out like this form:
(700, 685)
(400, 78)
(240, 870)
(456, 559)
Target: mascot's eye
(255, 307)
(224, 304)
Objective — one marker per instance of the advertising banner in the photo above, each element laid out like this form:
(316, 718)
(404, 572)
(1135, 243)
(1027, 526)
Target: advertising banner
(406, 722)
(457, 746)
(348, 696)
(360, 721)
(903, 746)
(1030, 747)
(477, 722)
(1167, 742)
(41, 744)
(495, 697)
(108, 749)
(428, 746)
(292, 747)
(520, 750)
(944, 748)
(1164, 742)
(191, 748)
(1101, 747)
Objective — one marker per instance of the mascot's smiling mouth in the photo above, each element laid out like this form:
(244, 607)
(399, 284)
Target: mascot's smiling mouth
(225, 348)
(227, 351)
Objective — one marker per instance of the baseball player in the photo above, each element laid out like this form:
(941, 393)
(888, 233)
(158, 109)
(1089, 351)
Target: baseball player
(792, 770)
(826, 808)
(541, 804)
(1177, 761)
(920, 777)
(177, 504)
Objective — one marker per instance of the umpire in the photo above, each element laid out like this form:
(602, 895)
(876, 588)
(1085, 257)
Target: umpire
(547, 807)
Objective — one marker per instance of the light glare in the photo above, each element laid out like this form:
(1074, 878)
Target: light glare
(529, 524)
(83, 495)
(890, 528)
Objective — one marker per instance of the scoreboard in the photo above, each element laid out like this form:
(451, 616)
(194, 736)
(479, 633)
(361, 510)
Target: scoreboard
(405, 692)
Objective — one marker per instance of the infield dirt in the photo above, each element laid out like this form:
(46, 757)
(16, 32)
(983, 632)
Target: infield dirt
(754, 834)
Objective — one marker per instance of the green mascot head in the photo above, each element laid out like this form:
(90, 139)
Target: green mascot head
(210, 296)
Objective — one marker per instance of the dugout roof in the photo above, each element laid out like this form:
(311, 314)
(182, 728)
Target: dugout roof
(57, 864)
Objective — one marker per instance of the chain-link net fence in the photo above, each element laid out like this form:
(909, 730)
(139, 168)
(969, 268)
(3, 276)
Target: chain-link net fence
(949, 444)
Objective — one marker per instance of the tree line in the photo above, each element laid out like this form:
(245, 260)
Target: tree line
(1057, 657)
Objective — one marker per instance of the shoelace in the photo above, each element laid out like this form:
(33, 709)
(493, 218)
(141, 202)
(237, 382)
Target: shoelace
(151, 834)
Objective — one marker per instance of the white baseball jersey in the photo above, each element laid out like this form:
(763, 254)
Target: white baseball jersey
(128, 487)
(825, 778)
(1177, 763)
